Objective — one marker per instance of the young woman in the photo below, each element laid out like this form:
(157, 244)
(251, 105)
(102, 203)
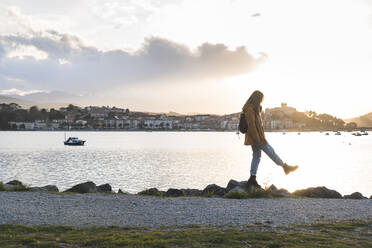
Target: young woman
(255, 137)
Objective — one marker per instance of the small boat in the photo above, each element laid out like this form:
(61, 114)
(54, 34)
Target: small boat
(74, 141)
(357, 134)
(327, 134)
(364, 133)
(298, 133)
(337, 133)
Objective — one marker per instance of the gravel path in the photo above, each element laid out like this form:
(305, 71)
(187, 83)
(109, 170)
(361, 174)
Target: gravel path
(33, 208)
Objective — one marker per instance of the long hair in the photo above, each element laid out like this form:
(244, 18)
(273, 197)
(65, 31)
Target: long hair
(255, 99)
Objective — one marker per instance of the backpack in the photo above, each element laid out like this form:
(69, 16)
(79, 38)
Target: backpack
(243, 127)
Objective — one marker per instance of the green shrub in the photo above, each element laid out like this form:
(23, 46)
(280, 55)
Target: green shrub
(253, 193)
(20, 188)
(148, 193)
(14, 188)
(236, 195)
(208, 193)
(258, 193)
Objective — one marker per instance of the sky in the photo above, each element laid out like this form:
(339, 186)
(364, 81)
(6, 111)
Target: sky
(204, 56)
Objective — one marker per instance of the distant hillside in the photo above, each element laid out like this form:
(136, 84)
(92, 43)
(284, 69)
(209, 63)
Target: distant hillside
(362, 121)
(27, 104)
(49, 97)
(23, 103)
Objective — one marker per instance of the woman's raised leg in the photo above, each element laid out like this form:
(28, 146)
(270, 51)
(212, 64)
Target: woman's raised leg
(269, 150)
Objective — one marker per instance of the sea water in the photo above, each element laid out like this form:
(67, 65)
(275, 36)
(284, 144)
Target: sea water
(138, 160)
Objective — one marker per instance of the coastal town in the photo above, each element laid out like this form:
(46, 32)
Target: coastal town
(72, 117)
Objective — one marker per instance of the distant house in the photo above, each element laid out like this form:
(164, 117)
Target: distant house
(202, 117)
(276, 118)
(81, 123)
(157, 124)
(40, 124)
(97, 112)
(70, 117)
(283, 109)
(109, 123)
(22, 125)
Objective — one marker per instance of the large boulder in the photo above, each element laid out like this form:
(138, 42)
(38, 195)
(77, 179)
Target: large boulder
(317, 192)
(355, 196)
(50, 188)
(192, 192)
(15, 183)
(238, 190)
(213, 189)
(233, 184)
(274, 191)
(104, 188)
(174, 192)
(87, 187)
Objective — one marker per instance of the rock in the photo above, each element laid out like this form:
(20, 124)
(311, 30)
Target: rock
(192, 192)
(15, 183)
(238, 189)
(317, 192)
(214, 190)
(174, 192)
(274, 191)
(233, 183)
(104, 188)
(152, 191)
(87, 187)
(355, 195)
(51, 188)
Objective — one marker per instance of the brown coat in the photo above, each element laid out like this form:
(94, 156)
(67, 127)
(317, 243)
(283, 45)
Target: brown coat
(255, 134)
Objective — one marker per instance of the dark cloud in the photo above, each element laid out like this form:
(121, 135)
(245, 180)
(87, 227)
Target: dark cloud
(71, 65)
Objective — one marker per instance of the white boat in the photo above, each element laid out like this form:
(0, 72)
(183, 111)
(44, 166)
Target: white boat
(337, 133)
(74, 141)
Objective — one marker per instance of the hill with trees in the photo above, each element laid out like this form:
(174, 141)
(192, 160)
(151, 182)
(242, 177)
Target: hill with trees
(362, 121)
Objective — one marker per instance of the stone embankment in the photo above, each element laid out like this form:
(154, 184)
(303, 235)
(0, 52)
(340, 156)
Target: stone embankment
(234, 189)
(208, 207)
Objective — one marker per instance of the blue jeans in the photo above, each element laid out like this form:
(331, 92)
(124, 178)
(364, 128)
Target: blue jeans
(257, 156)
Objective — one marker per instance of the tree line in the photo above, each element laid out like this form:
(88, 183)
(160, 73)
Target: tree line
(14, 112)
(315, 121)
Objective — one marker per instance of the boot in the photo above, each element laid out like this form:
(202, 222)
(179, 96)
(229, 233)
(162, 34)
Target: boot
(289, 168)
(252, 182)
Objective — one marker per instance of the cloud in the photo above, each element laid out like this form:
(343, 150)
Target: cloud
(2, 51)
(70, 65)
(14, 91)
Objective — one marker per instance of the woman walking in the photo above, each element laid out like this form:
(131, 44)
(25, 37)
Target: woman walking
(255, 137)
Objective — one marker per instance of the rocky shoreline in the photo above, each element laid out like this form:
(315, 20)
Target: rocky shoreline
(233, 190)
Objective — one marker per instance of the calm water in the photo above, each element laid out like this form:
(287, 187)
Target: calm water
(138, 160)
